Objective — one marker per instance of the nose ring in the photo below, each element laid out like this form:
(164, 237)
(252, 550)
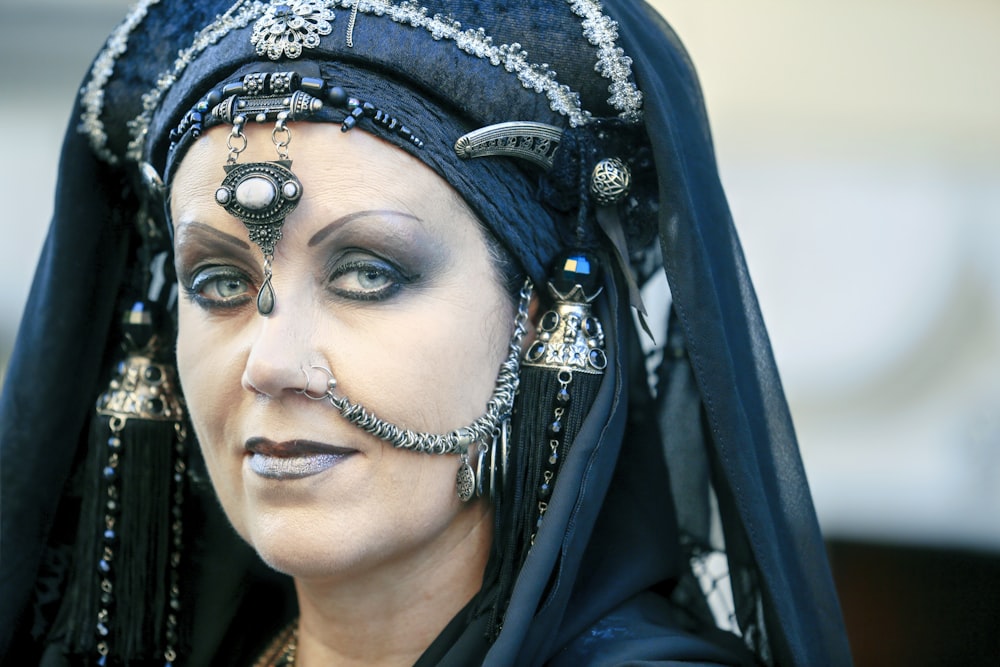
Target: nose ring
(331, 384)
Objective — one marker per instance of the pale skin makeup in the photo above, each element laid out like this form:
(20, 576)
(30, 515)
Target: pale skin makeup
(384, 277)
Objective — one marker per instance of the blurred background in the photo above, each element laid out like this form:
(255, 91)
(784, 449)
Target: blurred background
(859, 143)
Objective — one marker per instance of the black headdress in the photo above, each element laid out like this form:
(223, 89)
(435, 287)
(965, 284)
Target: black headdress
(683, 492)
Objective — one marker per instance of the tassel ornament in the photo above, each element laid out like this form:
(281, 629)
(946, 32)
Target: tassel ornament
(123, 596)
(560, 376)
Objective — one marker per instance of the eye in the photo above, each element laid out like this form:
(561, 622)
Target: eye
(219, 287)
(366, 280)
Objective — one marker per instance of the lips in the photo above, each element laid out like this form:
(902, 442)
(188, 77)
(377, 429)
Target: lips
(293, 459)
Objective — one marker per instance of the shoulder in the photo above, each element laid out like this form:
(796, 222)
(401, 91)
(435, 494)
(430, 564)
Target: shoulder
(644, 631)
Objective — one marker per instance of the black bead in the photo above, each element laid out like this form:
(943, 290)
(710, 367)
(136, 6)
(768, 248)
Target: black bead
(337, 96)
(563, 395)
(153, 374)
(312, 84)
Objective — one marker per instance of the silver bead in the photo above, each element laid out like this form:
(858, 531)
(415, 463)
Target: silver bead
(610, 181)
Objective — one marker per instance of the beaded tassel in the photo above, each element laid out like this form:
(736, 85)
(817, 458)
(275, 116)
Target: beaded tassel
(560, 375)
(124, 596)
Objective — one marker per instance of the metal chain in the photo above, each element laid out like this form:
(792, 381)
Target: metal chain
(498, 408)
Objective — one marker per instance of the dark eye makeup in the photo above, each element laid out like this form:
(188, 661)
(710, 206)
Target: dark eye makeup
(359, 261)
(361, 276)
(213, 287)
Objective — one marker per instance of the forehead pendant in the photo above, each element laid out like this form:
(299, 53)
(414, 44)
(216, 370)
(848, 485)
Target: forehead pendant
(261, 194)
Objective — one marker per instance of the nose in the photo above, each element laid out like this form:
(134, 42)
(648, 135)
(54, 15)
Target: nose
(278, 353)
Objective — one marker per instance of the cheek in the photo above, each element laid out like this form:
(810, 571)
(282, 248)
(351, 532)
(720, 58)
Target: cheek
(431, 368)
(207, 376)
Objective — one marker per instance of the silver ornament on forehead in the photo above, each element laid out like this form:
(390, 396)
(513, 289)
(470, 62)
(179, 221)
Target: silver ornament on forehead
(286, 28)
(261, 195)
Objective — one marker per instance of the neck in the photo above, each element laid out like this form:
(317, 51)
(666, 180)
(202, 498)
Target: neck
(390, 616)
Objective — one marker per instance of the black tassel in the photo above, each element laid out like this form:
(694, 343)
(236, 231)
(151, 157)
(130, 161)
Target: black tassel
(560, 377)
(122, 599)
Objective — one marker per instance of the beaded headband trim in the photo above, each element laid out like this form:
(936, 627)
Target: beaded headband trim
(299, 24)
(92, 95)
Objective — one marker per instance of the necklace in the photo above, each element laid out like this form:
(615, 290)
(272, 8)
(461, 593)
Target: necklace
(281, 651)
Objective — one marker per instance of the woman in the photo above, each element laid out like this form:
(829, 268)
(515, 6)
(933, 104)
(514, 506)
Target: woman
(394, 252)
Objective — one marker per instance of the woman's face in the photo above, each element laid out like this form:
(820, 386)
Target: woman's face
(382, 275)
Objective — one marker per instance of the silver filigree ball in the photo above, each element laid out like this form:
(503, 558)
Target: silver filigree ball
(610, 181)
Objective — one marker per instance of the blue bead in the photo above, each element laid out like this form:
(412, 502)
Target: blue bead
(110, 535)
(104, 566)
(576, 268)
(109, 473)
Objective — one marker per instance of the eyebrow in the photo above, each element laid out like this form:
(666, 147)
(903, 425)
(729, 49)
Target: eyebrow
(218, 234)
(344, 219)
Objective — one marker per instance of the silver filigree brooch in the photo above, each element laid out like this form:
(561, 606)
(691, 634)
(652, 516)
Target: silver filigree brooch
(288, 27)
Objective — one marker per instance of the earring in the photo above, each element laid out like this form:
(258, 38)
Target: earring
(491, 463)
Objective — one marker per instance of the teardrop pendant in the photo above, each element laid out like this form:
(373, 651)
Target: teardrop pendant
(265, 297)
(465, 480)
